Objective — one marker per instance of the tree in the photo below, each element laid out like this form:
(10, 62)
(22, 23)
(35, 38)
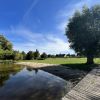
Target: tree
(6, 51)
(7, 55)
(24, 55)
(36, 54)
(5, 44)
(49, 55)
(30, 55)
(44, 55)
(17, 55)
(1, 54)
(83, 32)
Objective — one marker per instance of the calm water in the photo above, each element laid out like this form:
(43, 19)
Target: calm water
(18, 83)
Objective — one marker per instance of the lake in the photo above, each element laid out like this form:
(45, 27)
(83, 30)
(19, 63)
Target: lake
(22, 83)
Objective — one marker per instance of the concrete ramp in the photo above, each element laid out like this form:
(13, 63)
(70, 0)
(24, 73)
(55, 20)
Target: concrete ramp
(86, 89)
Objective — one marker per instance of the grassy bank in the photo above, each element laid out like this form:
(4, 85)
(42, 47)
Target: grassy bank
(74, 63)
(63, 60)
(59, 60)
(73, 69)
(6, 61)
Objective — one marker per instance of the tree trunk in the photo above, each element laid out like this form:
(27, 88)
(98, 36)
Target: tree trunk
(90, 60)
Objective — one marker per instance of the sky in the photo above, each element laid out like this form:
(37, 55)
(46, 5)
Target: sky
(39, 24)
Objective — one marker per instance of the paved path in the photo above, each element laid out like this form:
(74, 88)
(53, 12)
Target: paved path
(87, 89)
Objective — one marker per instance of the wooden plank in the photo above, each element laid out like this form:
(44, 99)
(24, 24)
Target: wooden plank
(86, 89)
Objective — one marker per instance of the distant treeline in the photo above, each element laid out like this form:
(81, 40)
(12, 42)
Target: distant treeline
(16, 55)
(7, 53)
(31, 55)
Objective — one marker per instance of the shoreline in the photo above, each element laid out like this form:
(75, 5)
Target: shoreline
(64, 72)
(36, 65)
(7, 61)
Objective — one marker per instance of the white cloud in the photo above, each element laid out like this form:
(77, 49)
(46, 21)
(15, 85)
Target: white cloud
(48, 43)
(59, 46)
(34, 3)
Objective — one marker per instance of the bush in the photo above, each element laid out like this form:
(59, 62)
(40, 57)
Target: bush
(36, 54)
(17, 55)
(30, 55)
(6, 54)
(44, 55)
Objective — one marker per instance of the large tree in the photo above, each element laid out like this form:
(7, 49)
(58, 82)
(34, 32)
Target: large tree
(83, 32)
(6, 51)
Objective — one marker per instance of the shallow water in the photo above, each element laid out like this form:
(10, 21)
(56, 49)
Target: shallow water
(18, 83)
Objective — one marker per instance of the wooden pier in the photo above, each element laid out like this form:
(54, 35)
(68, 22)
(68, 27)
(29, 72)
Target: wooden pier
(86, 89)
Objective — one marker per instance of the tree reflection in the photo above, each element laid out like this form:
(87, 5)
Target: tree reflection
(31, 69)
(6, 71)
(36, 71)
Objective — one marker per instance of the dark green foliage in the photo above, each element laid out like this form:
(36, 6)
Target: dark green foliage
(44, 55)
(4, 43)
(51, 56)
(17, 55)
(36, 54)
(83, 32)
(30, 55)
(6, 51)
(60, 55)
(6, 54)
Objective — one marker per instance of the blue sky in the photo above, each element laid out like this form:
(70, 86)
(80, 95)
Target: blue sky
(39, 24)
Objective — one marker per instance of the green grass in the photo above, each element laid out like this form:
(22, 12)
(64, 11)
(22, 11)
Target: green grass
(74, 63)
(6, 61)
(59, 60)
(63, 60)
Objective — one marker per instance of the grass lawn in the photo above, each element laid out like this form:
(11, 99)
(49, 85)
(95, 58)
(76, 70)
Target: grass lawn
(75, 63)
(63, 60)
(59, 60)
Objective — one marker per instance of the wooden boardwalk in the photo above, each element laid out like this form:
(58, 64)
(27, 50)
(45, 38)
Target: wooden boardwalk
(87, 89)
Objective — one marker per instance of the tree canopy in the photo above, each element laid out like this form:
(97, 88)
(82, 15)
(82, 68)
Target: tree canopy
(83, 32)
(36, 54)
(30, 55)
(44, 55)
(5, 44)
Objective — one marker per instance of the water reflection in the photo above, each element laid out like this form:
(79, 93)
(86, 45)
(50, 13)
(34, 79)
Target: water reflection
(35, 69)
(6, 71)
(28, 84)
